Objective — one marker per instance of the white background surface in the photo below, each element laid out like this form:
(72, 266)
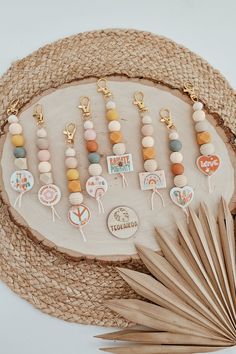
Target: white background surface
(206, 27)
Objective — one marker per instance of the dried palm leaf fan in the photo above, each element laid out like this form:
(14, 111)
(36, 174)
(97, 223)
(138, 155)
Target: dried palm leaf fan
(191, 299)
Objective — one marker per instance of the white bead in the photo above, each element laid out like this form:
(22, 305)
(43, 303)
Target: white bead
(197, 106)
(15, 128)
(173, 136)
(110, 105)
(148, 141)
(119, 149)
(147, 119)
(114, 126)
(201, 126)
(41, 133)
(207, 149)
(150, 165)
(180, 181)
(176, 157)
(199, 116)
(95, 169)
(70, 152)
(12, 119)
(46, 178)
(88, 124)
(21, 163)
(76, 198)
(44, 166)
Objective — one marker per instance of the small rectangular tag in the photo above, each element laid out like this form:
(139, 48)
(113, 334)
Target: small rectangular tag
(152, 180)
(120, 163)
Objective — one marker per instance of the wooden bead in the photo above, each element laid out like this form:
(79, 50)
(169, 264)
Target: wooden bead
(147, 130)
(203, 138)
(12, 119)
(21, 163)
(42, 143)
(177, 169)
(71, 162)
(114, 126)
(146, 119)
(46, 178)
(180, 181)
(43, 155)
(72, 174)
(201, 126)
(19, 152)
(112, 114)
(93, 157)
(175, 145)
(149, 153)
(44, 166)
(173, 136)
(76, 198)
(88, 124)
(74, 186)
(110, 105)
(70, 152)
(18, 140)
(15, 128)
(92, 146)
(95, 169)
(199, 116)
(41, 133)
(119, 149)
(150, 165)
(115, 137)
(197, 106)
(148, 141)
(207, 149)
(176, 157)
(90, 134)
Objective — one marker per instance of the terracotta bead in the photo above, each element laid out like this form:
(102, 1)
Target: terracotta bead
(18, 140)
(149, 153)
(177, 169)
(74, 186)
(203, 138)
(72, 174)
(115, 137)
(112, 114)
(91, 145)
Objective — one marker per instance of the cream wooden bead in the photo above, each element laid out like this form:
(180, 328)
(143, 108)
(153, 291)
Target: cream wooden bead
(110, 105)
(95, 169)
(76, 198)
(173, 136)
(114, 126)
(150, 165)
(180, 181)
(197, 106)
(12, 119)
(199, 116)
(176, 157)
(119, 149)
(41, 133)
(147, 119)
(147, 130)
(88, 124)
(207, 149)
(44, 167)
(70, 152)
(15, 128)
(148, 141)
(201, 126)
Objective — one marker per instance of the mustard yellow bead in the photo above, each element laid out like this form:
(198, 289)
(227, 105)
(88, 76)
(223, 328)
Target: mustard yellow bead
(17, 140)
(112, 114)
(74, 186)
(203, 138)
(72, 174)
(115, 137)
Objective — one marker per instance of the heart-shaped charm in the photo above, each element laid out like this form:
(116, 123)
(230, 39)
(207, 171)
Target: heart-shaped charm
(182, 196)
(208, 164)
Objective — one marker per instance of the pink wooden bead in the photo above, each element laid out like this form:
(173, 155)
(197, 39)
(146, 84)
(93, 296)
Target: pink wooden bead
(90, 134)
(44, 155)
(147, 130)
(71, 162)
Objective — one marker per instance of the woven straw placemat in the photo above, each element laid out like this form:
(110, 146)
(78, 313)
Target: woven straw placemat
(74, 290)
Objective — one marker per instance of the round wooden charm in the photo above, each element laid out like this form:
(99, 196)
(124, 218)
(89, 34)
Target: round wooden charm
(79, 215)
(123, 222)
(49, 195)
(22, 181)
(96, 186)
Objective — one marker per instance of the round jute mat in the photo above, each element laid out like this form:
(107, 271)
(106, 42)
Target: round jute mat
(67, 288)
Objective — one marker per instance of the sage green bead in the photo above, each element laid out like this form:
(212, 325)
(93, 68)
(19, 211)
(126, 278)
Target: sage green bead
(93, 157)
(19, 152)
(175, 145)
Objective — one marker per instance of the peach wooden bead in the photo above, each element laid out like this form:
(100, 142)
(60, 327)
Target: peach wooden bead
(177, 169)
(203, 138)
(71, 162)
(112, 114)
(72, 174)
(17, 140)
(92, 146)
(147, 130)
(115, 137)
(149, 153)
(43, 155)
(74, 186)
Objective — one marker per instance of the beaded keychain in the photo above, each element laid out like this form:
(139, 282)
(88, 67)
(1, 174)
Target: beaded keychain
(49, 194)
(182, 194)
(208, 163)
(96, 185)
(120, 162)
(21, 180)
(152, 179)
(78, 214)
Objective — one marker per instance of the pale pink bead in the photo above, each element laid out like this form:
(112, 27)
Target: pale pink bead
(147, 130)
(71, 162)
(44, 155)
(90, 134)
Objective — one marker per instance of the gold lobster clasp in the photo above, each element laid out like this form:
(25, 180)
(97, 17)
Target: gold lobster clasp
(102, 87)
(69, 131)
(85, 106)
(38, 114)
(166, 118)
(139, 102)
(190, 89)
